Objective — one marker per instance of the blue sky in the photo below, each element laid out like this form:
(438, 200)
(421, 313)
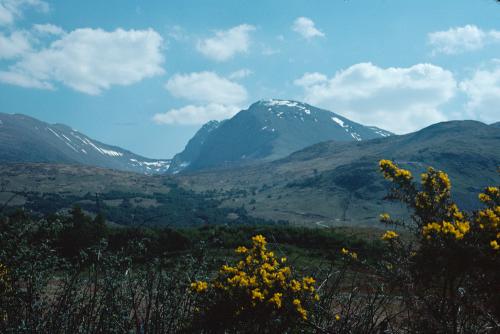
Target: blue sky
(146, 75)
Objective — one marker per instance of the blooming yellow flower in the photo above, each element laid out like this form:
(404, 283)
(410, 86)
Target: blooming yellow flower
(295, 285)
(276, 299)
(484, 198)
(392, 172)
(199, 286)
(241, 250)
(256, 294)
(388, 235)
(494, 244)
(353, 255)
(259, 240)
(300, 309)
(337, 317)
(384, 217)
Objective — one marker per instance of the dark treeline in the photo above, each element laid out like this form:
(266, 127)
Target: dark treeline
(72, 233)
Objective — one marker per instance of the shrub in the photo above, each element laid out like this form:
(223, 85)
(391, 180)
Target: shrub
(257, 294)
(447, 274)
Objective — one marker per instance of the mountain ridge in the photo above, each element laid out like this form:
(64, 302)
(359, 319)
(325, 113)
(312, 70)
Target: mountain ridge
(337, 183)
(26, 139)
(269, 130)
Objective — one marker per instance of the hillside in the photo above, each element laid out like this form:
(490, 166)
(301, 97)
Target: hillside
(337, 183)
(124, 198)
(328, 184)
(26, 139)
(266, 131)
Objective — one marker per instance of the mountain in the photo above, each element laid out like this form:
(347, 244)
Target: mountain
(192, 150)
(497, 124)
(338, 183)
(26, 139)
(267, 130)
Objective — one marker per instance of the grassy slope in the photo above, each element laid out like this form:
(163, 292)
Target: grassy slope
(336, 183)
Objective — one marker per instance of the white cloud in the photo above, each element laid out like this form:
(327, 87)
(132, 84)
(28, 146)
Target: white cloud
(10, 10)
(309, 79)
(269, 51)
(15, 45)
(226, 43)
(206, 87)
(21, 80)
(240, 74)
(191, 114)
(91, 60)
(216, 98)
(48, 29)
(396, 99)
(483, 92)
(462, 39)
(306, 28)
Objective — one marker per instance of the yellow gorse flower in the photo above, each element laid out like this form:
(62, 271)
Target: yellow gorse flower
(457, 229)
(384, 217)
(199, 286)
(388, 235)
(394, 173)
(300, 309)
(347, 252)
(241, 250)
(276, 299)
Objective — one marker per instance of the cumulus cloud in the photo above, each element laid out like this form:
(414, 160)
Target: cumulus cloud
(240, 74)
(90, 60)
(14, 45)
(10, 10)
(48, 29)
(23, 80)
(483, 92)
(396, 99)
(226, 43)
(206, 87)
(310, 79)
(306, 28)
(193, 115)
(462, 39)
(216, 98)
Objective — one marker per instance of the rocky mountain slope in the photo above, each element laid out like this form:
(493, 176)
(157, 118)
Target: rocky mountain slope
(26, 139)
(267, 130)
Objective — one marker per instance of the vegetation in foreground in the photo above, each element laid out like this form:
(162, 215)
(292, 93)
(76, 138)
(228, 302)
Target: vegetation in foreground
(75, 275)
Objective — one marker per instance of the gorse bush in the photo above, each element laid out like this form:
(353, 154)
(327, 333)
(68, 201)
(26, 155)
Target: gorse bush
(449, 275)
(259, 293)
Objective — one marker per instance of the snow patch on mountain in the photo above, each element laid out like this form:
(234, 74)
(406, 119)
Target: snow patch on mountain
(286, 103)
(55, 133)
(380, 132)
(339, 122)
(156, 166)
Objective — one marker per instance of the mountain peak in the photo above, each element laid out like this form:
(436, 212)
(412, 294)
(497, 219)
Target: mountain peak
(279, 102)
(267, 130)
